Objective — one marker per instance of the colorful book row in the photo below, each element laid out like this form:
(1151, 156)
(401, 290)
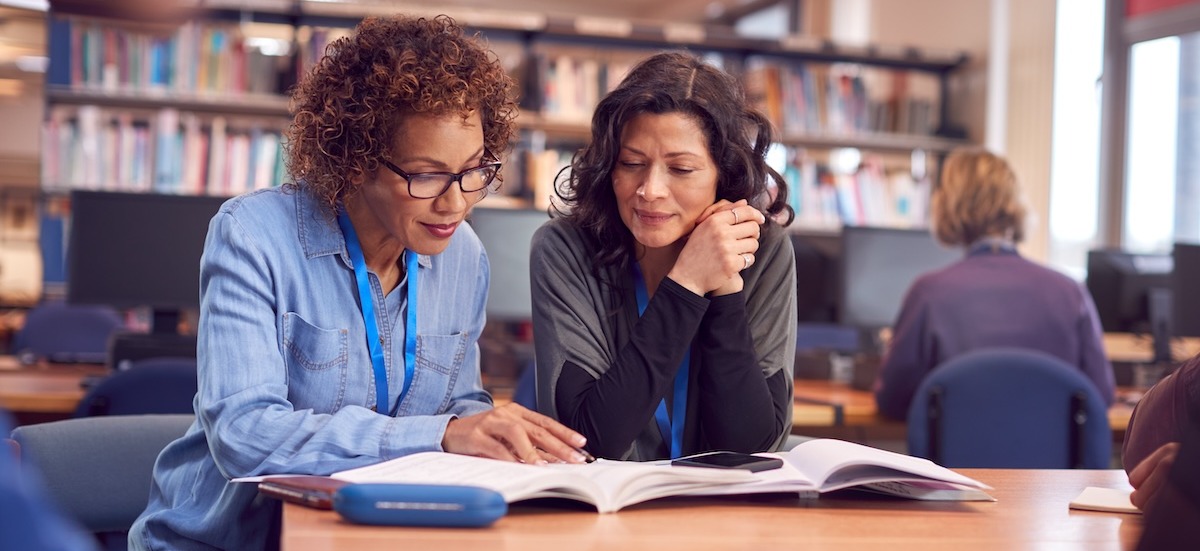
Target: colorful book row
(89, 147)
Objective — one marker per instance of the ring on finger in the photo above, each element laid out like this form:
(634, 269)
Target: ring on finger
(747, 259)
(735, 216)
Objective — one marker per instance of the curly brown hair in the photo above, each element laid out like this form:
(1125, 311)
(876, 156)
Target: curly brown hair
(348, 107)
(978, 197)
(670, 82)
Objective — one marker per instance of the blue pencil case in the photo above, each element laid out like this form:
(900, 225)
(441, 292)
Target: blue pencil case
(419, 505)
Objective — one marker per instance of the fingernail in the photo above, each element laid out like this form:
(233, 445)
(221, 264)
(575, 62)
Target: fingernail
(542, 462)
(579, 440)
(578, 458)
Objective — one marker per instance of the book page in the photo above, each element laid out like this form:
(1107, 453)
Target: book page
(834, 464)
(608, 485)
(925, 491)
(784, 479)
(515, 481)
(630, 482)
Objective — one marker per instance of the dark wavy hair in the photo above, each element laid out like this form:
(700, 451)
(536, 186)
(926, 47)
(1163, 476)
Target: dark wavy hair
(348, 107)
(670, 82)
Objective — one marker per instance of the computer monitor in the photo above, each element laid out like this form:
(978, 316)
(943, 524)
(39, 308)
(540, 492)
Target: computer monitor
(131, 250)
(1185, 289)
(878, 267)
(506, 235)
(1132, 293)
(1120, 283)
(817, 259)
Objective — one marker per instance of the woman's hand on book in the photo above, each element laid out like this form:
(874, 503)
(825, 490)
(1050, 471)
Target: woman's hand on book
(513, 433)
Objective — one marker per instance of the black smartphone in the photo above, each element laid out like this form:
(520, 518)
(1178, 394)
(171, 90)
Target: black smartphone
(730, 460)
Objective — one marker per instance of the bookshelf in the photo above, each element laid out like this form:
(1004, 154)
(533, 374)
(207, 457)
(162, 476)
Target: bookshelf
(225, 69)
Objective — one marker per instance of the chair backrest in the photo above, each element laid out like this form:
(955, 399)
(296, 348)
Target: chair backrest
(525, 391)
(152, 385)
(64, 332)
(1009, 408)
(98, 469)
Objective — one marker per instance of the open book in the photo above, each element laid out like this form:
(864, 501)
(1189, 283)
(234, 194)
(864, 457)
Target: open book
(811, 468)
(607, 485)
(824, 465)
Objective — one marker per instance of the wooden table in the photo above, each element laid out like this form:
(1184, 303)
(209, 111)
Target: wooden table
(43, 392)
(1030, 512)
(830, 409)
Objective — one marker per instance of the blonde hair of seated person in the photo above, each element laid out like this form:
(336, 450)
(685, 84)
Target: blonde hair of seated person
(977, 197)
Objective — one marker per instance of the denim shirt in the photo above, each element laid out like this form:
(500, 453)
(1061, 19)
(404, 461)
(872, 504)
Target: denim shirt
(286, 380)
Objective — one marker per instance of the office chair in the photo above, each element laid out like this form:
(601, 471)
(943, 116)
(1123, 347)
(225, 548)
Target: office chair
(98, 469)
(61, 332)
(1009, 408)
(152, 385)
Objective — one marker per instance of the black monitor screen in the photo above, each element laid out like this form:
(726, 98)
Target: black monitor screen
(1186, 289)
(817, 258)
(878, 266)
(1120, 283)
(137, 249)
(506, 234)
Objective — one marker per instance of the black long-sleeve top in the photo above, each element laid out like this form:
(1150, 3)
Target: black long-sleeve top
(602, 370)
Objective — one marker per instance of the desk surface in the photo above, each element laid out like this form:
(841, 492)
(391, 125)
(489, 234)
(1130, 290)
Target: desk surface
(1030, 511)
(858, 406)
(43, 388)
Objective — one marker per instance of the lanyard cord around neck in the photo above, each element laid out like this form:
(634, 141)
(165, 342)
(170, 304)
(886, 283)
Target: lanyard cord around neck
(374, 341)
(671, 427)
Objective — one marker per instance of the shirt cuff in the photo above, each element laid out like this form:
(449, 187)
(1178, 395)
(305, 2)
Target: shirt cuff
(418, 433)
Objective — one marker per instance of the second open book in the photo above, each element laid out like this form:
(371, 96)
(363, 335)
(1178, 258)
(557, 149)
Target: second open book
(812, 467)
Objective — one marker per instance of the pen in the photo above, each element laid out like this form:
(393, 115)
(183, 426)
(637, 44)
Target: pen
(587, 457)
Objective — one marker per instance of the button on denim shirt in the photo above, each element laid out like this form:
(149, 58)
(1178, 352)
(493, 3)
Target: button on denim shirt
(286, 380)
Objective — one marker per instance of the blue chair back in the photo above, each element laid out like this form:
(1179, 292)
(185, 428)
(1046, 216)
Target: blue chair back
(525, 391)
(98, 470)
(62, 332)
(151, 385)
(1009, 408)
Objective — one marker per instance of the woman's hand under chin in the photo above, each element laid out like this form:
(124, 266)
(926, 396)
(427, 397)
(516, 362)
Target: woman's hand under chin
(719, 248)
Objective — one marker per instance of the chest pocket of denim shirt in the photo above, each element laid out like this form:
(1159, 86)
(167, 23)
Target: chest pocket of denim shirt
(439, 363)
(317, 361)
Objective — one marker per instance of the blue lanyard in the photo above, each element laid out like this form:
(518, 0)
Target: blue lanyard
(374, 341)
(671, 427)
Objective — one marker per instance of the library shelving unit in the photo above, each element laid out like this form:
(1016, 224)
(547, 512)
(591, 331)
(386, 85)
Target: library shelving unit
(197, 105)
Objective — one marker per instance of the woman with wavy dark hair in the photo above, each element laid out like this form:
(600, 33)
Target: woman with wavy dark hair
(339, 313)
(664, 291)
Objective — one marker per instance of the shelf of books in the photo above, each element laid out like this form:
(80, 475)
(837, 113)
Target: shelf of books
(199, 106)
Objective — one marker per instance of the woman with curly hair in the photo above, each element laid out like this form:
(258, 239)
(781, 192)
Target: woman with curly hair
(993, 296)
(339, 314)
(665, 296)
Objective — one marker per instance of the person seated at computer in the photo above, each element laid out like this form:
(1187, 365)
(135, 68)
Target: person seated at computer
(665, 297)
(992, 297)
(339, 314)
(1158, 424)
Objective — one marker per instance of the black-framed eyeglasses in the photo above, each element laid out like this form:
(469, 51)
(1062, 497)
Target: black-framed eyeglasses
(428, 185)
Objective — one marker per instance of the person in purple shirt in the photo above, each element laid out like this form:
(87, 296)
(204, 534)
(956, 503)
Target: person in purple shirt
(993, 296)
